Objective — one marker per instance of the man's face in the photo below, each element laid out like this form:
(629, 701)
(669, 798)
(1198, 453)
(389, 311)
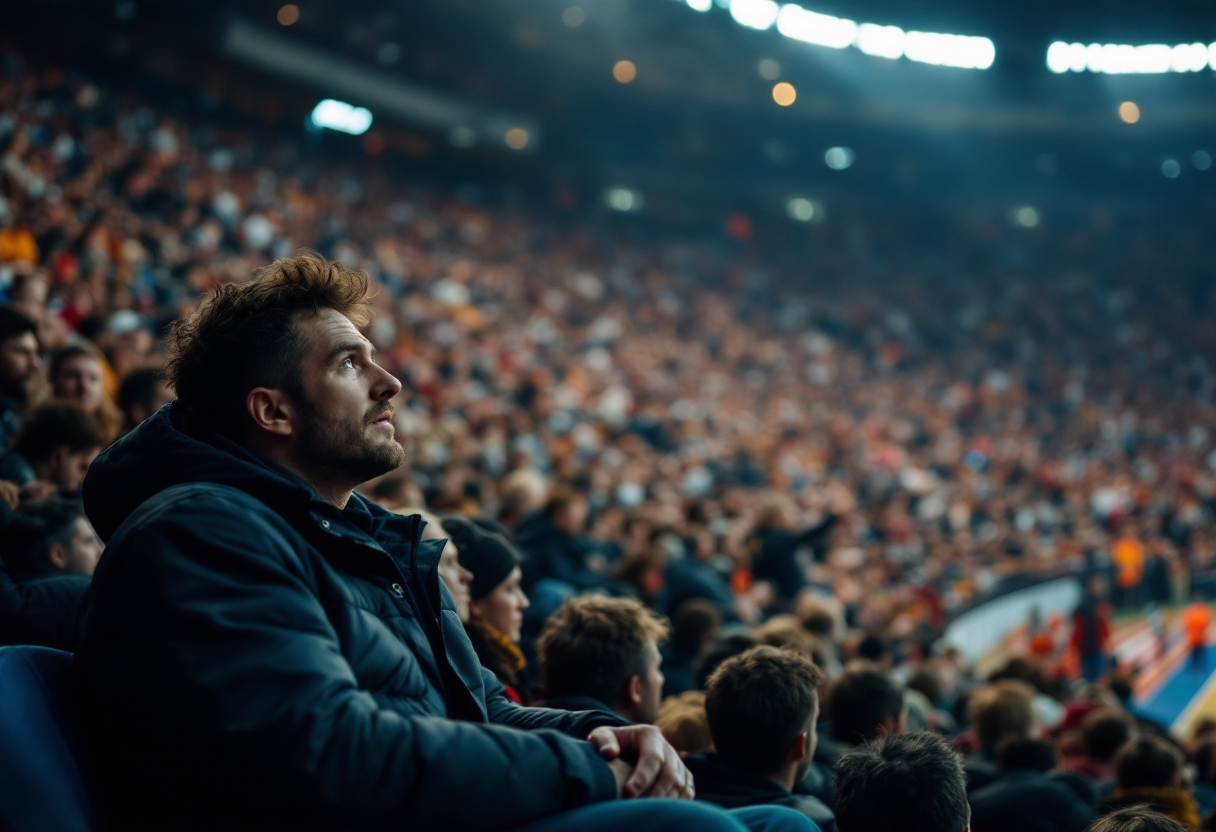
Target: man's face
(68, 467)
(456, 578)
(573, 518)
(652, 687)
(345, 426)
(79, 380)
(83, 550)
(19, 364)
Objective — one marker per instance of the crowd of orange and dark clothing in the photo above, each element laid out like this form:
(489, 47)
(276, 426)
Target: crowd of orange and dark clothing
(759, 457)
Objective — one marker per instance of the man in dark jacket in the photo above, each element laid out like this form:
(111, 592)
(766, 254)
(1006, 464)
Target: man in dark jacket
(263, 649)
(557, 557)
(20, 368)
(40, 611)
(762, 706)
(781, 553)
(1024, 797)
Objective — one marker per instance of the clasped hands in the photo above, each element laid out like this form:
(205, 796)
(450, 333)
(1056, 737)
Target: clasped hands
(658, 772)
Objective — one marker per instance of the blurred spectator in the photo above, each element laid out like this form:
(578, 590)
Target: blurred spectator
(763, 706)
(1000, 712)
(1149, 773)
(497, 602)
(684, 724)
(556, 555)
(1104, 732)
(141, 394)
(55, 447)
(1023, 797)
(695, 625)
(455, 577)
(718, 651)
(1091, 630)
(1195, 619)
(782, 554)
(903, 783)
(865, 704)
(522, 493)
(20, 368)
(50, 537)
(1203, 756)
(77, 374)
(1137, 819)
(601, 653)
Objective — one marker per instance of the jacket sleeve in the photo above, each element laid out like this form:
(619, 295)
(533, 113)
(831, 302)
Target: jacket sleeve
(237, 617)
(577, 724)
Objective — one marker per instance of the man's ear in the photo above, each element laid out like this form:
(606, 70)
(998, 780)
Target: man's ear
(271, 410)
(799, 748)
(633, 691)
(58, 556)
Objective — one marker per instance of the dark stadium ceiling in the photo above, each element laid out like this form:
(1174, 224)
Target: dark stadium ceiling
(699, 119)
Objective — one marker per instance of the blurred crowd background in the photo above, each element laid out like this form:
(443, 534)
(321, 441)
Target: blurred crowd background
(831, 437)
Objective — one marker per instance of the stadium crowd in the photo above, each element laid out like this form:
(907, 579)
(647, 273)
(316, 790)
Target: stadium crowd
(679, 488)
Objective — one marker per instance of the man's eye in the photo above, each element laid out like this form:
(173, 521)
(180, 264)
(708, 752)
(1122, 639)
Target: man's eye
(348, 362)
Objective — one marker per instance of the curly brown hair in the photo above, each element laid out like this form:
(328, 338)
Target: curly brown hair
(244, 335)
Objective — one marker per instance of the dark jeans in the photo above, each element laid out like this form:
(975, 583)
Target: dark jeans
(672, 816)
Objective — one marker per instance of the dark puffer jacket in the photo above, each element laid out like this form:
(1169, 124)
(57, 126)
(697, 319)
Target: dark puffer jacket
(253, 657)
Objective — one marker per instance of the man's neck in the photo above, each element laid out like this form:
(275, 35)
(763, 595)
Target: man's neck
(786, 777)
(319, 481)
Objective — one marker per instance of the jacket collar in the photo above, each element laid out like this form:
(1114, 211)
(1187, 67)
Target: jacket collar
(163, 452)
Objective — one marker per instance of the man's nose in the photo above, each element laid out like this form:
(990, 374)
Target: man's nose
(386, 385)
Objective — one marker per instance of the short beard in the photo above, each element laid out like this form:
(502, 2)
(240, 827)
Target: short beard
(339, 449)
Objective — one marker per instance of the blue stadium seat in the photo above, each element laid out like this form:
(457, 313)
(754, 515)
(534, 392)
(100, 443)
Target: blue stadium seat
(41, 786)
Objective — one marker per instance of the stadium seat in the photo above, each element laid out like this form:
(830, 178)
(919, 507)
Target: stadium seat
(42, 786)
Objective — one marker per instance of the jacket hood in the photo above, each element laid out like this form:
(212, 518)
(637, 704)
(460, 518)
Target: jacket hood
(161, 453)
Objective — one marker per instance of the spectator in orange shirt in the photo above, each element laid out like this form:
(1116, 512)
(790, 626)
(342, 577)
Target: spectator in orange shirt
(1128, 555)
(1195, 619)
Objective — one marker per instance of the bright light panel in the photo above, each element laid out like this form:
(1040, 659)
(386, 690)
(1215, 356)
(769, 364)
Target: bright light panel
(820, 29)
(1121, 59)
(754, 14)
(340, 116)
(798, 23)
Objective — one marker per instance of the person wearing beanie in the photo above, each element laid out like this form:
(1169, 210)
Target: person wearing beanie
(496, 611)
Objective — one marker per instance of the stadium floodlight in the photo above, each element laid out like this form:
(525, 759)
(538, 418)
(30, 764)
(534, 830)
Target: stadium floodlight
(839, 158)
(960, 51)
(1123, 59)
(801, 209)
(1024, 216)
(754, 14)
(623, 199)
(820, 29)
(799, 23)
(881, 41)
(345, 118)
